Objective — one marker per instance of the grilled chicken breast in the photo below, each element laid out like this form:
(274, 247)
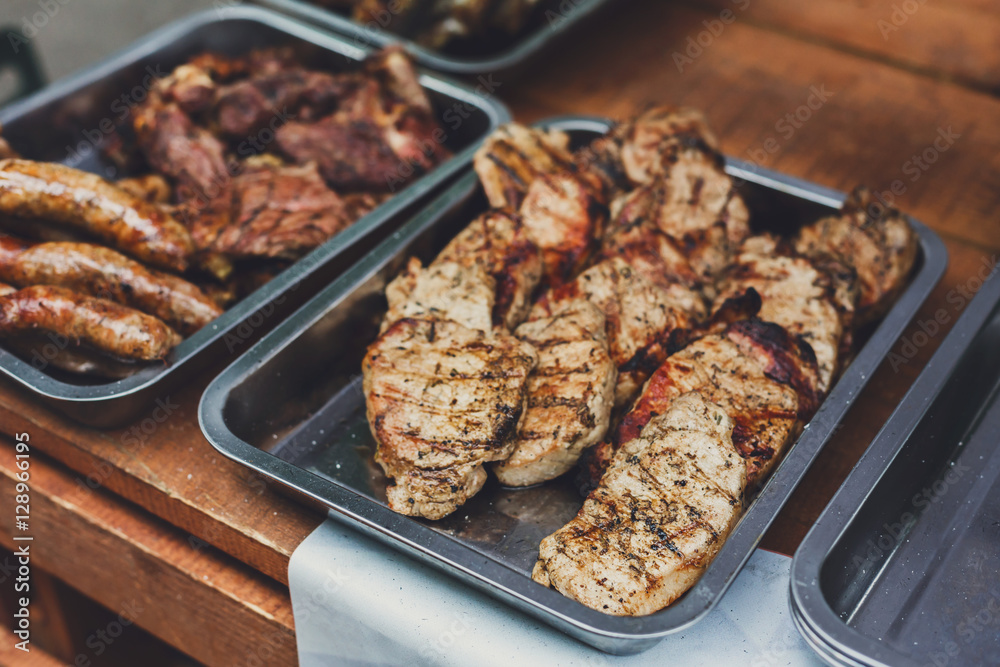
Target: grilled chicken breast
(794, 294)
(498, 242)
(640, 317)
(442, 291)
(670, 498)
(442, 401)
(570, 394)
(877, 242)
(513, 156)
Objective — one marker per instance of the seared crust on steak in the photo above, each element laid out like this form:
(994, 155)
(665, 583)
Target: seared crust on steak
(442, 291)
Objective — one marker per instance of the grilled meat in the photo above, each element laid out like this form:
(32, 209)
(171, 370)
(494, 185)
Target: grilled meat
(442, 400)
(794, 294)
(876, 242)
(693, 202)
(640, 316)
(101, 272)
(187, 154)
(270, 211)
(85, 201)
(766, 381)
(497, 241)
(513, 157)
(564, 218)
(104, 325)
(39, 351)
(671, 496)
(443, 291)
(652, 142)
(651, 252)
(570, 394)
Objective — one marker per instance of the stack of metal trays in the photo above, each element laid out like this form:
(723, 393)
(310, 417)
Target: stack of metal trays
(67, 122)
(292, 409)
(903, 566)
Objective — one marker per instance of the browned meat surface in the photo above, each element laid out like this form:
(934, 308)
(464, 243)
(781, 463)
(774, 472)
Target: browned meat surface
(570, 395)
(766, 381)
(878, 243)
(442, 400)
(101, 272)
(271, 211)
(498, 241)
(671, 496)
(462, 293)
(104, 325)
(564, 218)
(513, 156)
(693, 202)
(151, 188)
(48, 191)
(794, 294)
(187, 154)
(38, 350)
(641, 315)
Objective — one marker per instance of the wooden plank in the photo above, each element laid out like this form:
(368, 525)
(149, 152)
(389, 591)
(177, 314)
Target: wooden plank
(34, 658)
(875, 121)
(955, 40)
(170, 469)
(196, 599)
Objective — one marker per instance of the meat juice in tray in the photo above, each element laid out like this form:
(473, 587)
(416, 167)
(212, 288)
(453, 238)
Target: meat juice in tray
(319, 443)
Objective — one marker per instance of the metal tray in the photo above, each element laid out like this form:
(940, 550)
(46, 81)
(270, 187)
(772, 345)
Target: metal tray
(62, 122)
(291, 408)
(903, 566)
(566, 15)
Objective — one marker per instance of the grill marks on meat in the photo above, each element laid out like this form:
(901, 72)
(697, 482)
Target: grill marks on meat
(640, 317)
(442, 401)
(693, 202)
(570, 395)
(271, 211)
(876, 242)
(498, 242)
(564, 218)
(670, 498)
(86, 202)
(512, 158)
(101, 324)
(101, 272)
(652, 142)
(443, 291)
(762, 378)
(795, 295)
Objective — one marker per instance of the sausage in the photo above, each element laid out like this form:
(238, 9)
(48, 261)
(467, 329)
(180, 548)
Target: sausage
(104, 325)
(151, 188)
(102, 272)
(86, 201)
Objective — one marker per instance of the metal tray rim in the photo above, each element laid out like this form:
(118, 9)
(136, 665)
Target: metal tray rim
(516, 54)
(43, 385)
(568, 613)
(806, 597)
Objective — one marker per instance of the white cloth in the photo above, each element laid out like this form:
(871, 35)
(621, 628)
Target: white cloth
(359, 602)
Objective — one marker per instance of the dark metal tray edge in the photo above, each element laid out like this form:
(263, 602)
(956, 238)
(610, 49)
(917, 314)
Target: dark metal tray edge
(505, 61)
(76, 398)
(611, 634)
(813, 615)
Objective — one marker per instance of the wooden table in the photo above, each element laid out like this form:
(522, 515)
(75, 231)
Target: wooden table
(203, 545)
